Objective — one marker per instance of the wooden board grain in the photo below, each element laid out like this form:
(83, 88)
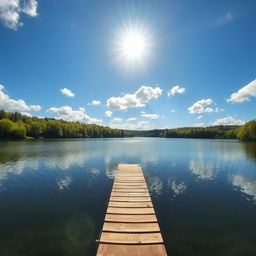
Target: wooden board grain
(130, 226)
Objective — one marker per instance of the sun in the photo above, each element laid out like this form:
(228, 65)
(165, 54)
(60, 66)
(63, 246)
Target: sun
(133, 46)
(133, 43)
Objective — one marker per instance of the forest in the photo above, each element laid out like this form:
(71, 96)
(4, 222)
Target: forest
(244, 132)
(16, 125)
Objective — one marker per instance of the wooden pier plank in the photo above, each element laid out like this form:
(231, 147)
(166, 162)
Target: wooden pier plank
(130, 199)
(130, 210)
(131, 250)
(122, 218)
(130, 227)
(134, 238)
(130, 204)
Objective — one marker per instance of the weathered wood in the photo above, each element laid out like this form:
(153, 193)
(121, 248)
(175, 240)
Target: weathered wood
(130, 227)
(130, 204)
(131, 250)
(130, 218)
(115, 210)
(127, 238)
(130, 194)
(130, 199)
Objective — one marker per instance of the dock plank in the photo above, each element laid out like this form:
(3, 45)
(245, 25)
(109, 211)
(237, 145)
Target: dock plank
(130, 226)
(131, 250)
(130, 218)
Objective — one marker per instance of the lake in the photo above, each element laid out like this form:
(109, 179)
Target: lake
(54, 193)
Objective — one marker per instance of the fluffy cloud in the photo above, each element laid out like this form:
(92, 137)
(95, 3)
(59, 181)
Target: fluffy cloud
(201, 106)
(172, 111)
(176, 90)
(15, 105)
(26, 114)
(141, 125)
(244, 94)
(199, 117)
(150, 116)
(138, 99)
(68, 114)
(67, 92)
(131, 119)
(95, 103)
(10, 11)
(227, 121)
(117, 119)
(108, 113)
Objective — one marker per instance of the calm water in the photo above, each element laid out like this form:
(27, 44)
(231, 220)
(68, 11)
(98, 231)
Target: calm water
(54, 194)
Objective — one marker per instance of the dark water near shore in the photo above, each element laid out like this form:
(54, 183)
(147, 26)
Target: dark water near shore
(54, 194)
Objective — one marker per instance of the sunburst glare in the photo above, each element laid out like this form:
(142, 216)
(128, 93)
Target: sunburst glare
(133, 43)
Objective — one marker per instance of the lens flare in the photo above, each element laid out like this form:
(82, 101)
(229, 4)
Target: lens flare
(133, 43)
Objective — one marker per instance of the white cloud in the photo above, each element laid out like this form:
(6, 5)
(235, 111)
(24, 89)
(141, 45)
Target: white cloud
(95, 103)
(150, 116)
(68, 114)
(244, 94)
(138, 99)
(17, 105)
(11, 10)
(131, 119)
(30, 8)
(176, 90)
(228, 17)
(67, 92)
(35, 107)
(141, 125)
(201, 106)
(172, 111)
(117, 119)
(26, 114)
(199, 125)
(199, 117)
(108, 113)
(227, 121)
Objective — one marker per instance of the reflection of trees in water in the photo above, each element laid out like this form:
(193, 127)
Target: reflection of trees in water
(72, 236)
(250, 149)
(226, 244)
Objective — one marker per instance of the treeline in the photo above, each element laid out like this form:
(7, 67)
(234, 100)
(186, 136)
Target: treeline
(16, 125)
(212, 132)
(244, 132)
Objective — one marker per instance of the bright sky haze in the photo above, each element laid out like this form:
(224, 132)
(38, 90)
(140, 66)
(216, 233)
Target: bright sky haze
(130, 64)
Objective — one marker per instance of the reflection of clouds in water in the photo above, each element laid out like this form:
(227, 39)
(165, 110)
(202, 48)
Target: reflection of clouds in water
(95, 171)
(203, 170)
(17, 167)
(111, 171)
(64, 183)
(153, 159)
(155, 185)
(177, 188)
(110, 168)
(246, 185)
(64, 161)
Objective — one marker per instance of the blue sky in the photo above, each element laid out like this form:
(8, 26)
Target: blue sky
(67, 59)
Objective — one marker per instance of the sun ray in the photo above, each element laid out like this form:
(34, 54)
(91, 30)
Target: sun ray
(133, 44)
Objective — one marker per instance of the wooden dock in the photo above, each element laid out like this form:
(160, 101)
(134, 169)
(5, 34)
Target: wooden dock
(130, 227)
